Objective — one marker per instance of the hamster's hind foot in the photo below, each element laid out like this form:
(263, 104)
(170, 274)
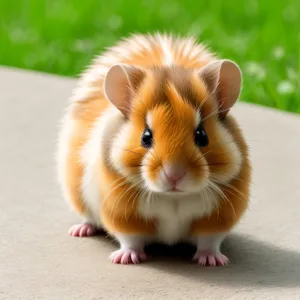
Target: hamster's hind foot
(83, 230)
(210, 259)
(127, 256)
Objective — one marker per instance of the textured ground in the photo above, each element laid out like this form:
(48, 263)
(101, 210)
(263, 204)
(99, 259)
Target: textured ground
(40, 261)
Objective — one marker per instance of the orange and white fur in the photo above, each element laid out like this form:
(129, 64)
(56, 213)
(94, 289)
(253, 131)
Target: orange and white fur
(149, 152)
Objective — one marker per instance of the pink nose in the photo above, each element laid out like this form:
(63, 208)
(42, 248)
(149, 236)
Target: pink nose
(174, 173)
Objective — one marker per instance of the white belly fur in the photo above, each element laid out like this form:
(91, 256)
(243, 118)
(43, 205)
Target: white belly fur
(174, 215)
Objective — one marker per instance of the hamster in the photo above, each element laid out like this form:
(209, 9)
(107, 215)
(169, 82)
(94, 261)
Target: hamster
(149, 152)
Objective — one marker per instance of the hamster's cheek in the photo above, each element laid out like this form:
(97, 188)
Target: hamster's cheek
(117, 148)
(126, 154)
(151, 173)
(195, 181)
(225, 159)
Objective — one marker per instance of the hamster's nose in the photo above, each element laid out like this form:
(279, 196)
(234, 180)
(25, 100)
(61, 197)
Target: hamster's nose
(174, 173)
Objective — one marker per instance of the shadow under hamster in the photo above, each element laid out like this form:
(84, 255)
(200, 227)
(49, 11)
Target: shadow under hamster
(252, 263)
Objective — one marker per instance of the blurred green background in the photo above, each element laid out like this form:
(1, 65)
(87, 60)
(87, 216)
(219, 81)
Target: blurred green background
(62, 37)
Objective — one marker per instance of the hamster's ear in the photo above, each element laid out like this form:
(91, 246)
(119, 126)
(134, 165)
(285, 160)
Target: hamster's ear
(223, 78)
(119, 85)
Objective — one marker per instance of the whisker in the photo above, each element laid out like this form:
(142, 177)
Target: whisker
(217, 164)
(202, 103)
(131, 151)
(149, 198)
(139, 166)
(141, 172)
(203, 155)
(142, 155)
(132, 202)
(155, 156)
(128, 199)
(205, 197)
(238, 178)
(219, 191)
(116, 187)
(229, 186)
(119, 185)
(122, 196)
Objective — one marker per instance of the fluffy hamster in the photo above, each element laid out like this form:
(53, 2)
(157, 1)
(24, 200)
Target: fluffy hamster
(148, 149)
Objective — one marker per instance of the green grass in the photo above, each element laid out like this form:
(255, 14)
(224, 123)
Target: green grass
(61, 37)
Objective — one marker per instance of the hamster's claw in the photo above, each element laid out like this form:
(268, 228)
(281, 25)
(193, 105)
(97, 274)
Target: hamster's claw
(82, 230)
(210, 259)
(127, 256)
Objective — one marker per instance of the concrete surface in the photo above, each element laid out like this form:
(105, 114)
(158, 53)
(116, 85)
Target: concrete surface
(39, 261)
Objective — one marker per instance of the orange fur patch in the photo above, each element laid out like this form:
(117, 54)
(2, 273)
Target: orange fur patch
(119, 205)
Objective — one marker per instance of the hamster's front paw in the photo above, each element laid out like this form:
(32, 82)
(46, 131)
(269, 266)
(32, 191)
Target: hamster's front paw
(131, 249)
(82, 230)
(128, 256)
(208, 250)
(206, 258)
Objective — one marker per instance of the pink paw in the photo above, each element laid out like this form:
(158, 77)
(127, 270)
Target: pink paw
(210, 259)
(82, 230)
(127, 256)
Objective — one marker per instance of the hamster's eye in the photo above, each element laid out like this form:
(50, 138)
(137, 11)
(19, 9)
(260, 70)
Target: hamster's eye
(201, 138)
(147, 138)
